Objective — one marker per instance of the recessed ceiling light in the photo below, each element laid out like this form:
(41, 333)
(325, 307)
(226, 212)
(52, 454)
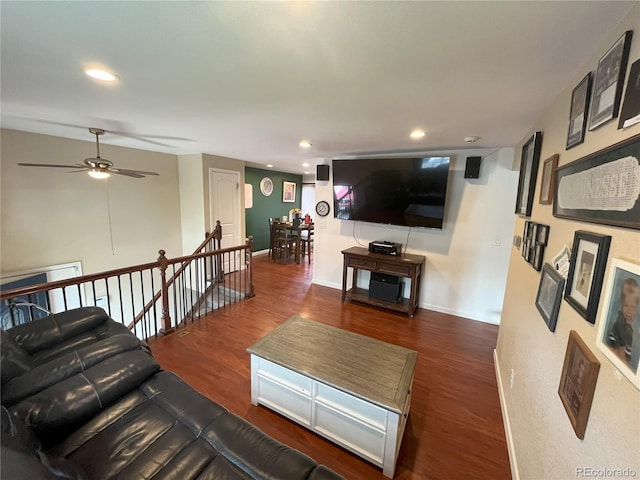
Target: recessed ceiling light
(306, 173)
(101, 74)
(305, 164)
(417, 134)
(269, 165)
(305, 144)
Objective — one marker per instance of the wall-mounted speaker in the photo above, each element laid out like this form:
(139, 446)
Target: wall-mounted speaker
(472, 169)
(322, 173)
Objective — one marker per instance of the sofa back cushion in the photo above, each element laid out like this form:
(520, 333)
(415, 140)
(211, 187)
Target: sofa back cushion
(15, 360)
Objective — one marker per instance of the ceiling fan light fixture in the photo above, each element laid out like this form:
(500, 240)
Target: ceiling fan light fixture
(100, 74)
(98, 174)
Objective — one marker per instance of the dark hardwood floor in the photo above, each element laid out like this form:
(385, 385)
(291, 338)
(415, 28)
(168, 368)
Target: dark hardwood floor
(455, 428)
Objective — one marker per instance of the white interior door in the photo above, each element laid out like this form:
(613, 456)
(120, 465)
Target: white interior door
(224, 203)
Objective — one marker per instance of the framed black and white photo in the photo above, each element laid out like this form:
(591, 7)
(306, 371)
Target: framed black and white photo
(608, 82)
(549, 295)
(602, 187)
(288, 192)
(586, 272)
(619, 321)
(528, 173)
(630, 113)
(578, 112)
(578, 382)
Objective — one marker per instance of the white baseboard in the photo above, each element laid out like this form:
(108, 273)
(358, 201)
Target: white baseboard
(515, 475)
(458, 313)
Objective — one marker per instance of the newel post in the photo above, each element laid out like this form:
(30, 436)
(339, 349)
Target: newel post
(163, 263)
(217, 245)
(249, 249)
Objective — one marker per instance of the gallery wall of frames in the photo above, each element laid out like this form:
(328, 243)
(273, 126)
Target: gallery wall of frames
(569, 342)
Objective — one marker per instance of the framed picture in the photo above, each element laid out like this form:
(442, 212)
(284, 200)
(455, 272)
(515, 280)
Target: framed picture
(607, 86)
(630, 113)
(578, 382)
(601, 187)
(266, 186)
(548, 178)
(586, 271)
(549, 295)
(288, 192)
(619, 324)
(578, 112)
(543, 234)
(528, 174)
(538, 256)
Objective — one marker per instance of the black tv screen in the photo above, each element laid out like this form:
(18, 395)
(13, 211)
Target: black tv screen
(396, 191)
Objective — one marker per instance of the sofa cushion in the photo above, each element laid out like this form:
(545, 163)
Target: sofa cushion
(47, 332)
(165, 429)
(15, 360)
(61, 408)
(65, 366)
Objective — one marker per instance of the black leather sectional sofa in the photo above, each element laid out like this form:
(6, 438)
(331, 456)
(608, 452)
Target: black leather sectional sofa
(83, 398)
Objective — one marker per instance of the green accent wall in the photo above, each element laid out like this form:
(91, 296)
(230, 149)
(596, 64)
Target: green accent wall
(257, 217)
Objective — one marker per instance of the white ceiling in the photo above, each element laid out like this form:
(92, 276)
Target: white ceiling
(249, 80)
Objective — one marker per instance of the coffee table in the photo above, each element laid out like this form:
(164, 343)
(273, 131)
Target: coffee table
(351, 389)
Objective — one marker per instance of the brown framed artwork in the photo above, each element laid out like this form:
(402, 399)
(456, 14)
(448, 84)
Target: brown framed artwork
(578, 382)
(603, 187)
(288, 192)
(578, 112)
(528, 174)
(609, 79)
(548, 179)
(586, 272)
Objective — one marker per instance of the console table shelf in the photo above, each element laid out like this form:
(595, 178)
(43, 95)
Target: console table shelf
(406, 265)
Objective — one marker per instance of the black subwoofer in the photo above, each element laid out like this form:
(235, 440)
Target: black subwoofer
(385, 287)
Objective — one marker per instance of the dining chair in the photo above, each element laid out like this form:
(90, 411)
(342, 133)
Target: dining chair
(283, 243)
(272, 222)
(307, 242)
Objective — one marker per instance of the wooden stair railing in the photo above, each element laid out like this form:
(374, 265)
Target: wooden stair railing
(214, 238)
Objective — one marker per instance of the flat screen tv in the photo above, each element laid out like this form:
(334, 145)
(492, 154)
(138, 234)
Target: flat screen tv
(396, 191)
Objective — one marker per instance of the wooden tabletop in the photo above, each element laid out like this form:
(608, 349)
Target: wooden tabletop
(375, 371)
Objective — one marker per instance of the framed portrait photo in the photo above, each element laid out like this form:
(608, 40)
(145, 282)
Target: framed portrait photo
(578, 382)
(607, 86)
(549, 295)
(586, 272)
(288, 192)
(548, 179)
(578, 112)
(619, 322)
(528, 173)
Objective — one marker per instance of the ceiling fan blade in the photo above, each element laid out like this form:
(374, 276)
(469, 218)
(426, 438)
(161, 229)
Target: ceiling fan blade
(46, 165)
(125, 173)
(140, 172)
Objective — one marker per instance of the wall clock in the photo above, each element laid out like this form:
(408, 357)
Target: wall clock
(266, 186)
(322, 208)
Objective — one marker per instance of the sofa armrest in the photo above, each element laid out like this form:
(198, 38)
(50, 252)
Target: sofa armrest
(48, 331)
(59, 409)
(324, 473)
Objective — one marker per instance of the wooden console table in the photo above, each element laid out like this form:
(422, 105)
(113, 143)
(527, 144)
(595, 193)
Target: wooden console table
(407, 265)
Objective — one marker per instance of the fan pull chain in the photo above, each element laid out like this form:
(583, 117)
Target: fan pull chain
(106, 187)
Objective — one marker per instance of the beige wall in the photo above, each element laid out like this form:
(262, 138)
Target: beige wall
(192, 207)
(465, 272)
(52, 217)
(543, 442)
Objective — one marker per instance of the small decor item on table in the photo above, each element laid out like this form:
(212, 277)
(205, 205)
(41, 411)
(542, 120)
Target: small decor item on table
(619, 324)
(292, 214)
(578, 382)
(586, 271)
(550, 295)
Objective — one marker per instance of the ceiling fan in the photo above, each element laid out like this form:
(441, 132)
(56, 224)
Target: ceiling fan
(96, 167)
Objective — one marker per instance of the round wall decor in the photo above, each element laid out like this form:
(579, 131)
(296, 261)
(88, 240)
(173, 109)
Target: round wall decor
(266, 186)
(322, 208)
